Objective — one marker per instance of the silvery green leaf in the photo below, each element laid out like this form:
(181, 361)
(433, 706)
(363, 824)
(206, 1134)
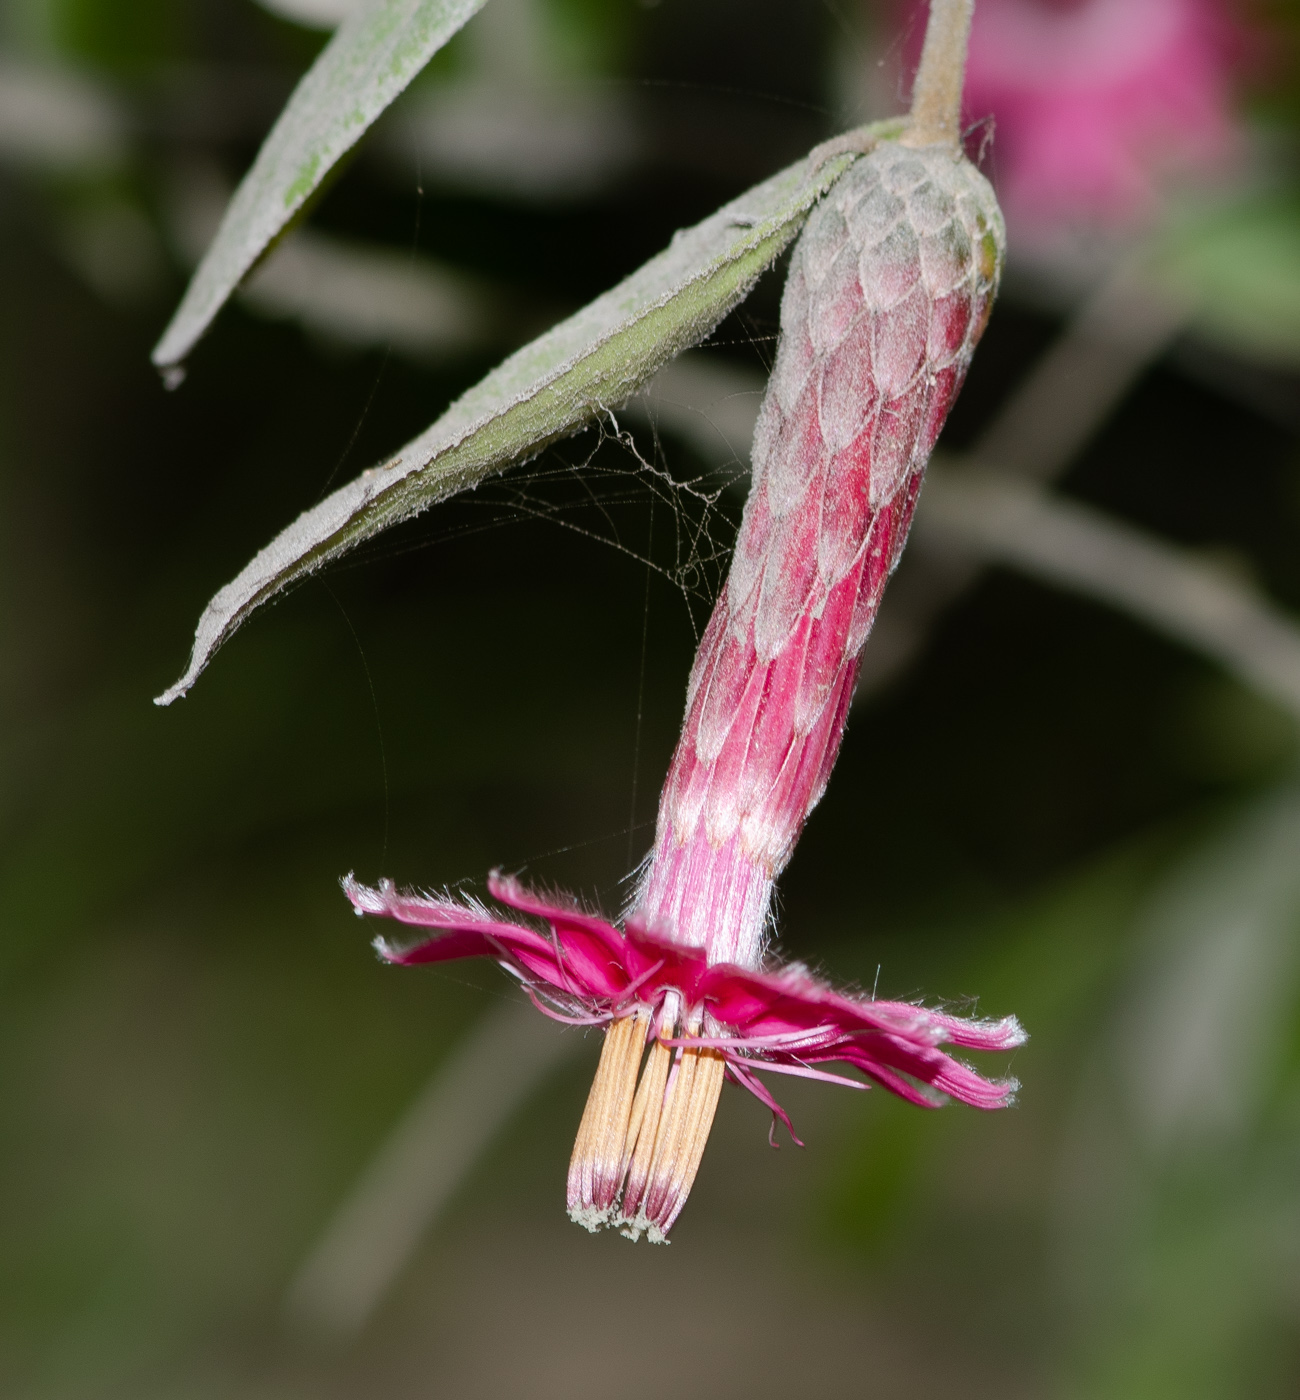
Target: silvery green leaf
(375, 53)
(1068, 543)
(586, 365)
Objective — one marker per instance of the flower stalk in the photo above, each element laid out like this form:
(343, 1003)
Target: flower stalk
(935, 118)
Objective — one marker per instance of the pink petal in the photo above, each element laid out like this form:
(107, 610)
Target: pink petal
(785, 1021)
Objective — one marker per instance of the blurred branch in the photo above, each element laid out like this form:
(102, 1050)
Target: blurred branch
(973, 515)
(54, 119)
(1075, 386)
(522, 140)
(373, 296)
(515, 122)
(354, 293)
(1123, 328)
(379, 1225)
(1008, 521)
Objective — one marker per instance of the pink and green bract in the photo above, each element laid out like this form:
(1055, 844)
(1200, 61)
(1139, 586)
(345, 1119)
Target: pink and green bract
(889, 289)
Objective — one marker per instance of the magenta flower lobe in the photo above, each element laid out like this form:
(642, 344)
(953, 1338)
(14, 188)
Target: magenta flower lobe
(582, 970)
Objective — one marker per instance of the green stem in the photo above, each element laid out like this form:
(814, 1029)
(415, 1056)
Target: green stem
(936, 95)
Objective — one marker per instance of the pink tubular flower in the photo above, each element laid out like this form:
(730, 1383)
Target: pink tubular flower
(733, 1020)
(1097, 101)
(889, 289)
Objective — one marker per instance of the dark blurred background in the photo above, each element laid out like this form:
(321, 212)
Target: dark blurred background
(1042, 803)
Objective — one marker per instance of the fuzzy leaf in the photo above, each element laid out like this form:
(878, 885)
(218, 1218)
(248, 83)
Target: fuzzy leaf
(549, 389)
(361, 71)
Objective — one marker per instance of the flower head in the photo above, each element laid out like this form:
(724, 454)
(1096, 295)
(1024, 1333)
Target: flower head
(680, 1024)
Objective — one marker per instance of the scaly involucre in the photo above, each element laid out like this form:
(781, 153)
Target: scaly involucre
(890, 287)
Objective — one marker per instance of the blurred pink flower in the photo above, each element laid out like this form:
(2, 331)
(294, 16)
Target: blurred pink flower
(1098, 102)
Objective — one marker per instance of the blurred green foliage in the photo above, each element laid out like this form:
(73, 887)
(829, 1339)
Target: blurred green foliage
(1239, 268)
(126, 37)
(130, 36)
(592, 36)
(1052, 811)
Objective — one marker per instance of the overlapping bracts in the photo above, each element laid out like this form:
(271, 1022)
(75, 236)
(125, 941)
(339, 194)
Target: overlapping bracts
(889, 289)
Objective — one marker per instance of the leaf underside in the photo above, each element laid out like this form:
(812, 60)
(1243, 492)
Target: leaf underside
(549, 389)
(368, 63)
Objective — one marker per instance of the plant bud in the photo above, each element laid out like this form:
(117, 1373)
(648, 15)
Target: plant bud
(889, 290)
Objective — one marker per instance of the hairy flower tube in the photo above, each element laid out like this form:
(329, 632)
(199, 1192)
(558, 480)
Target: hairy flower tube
(889, 289)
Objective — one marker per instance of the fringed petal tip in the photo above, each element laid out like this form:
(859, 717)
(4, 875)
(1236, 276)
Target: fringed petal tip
(994, 1094)
(1006, 1034)
(363, 899)
(387, 951)
(1013, 1033)
(507, 887)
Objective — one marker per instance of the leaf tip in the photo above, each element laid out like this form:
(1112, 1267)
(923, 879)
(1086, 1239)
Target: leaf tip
(168, 354)
(181, 687)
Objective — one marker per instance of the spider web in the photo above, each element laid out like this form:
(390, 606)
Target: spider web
(671, 507)
(615, 485)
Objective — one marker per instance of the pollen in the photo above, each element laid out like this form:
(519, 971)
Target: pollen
(645, 1126)
(599, 1154)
